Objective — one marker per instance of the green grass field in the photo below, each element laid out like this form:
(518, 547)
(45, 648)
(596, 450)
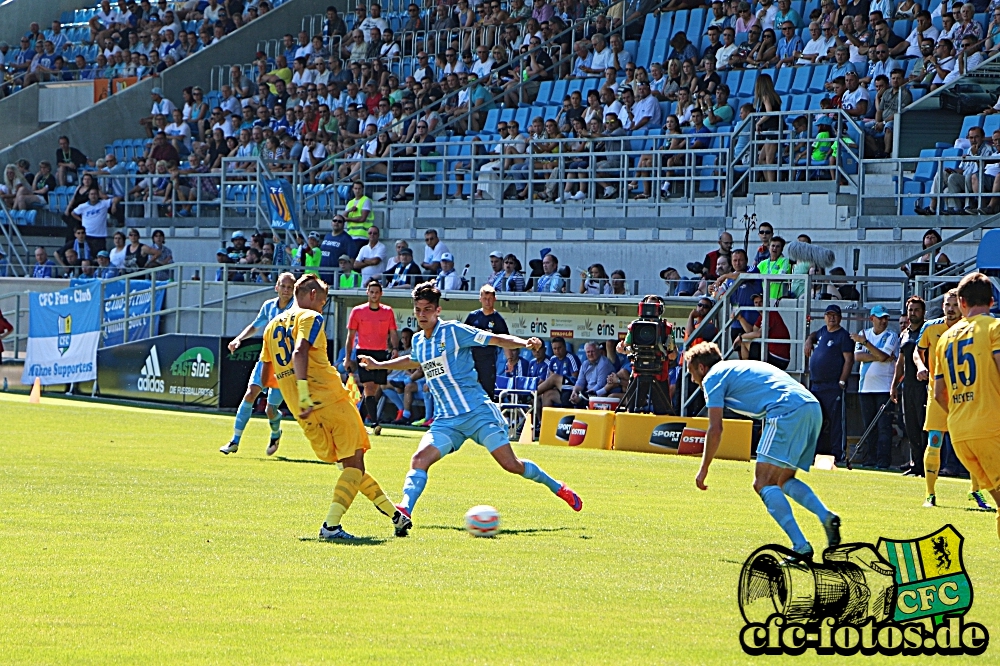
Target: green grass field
(127, 538)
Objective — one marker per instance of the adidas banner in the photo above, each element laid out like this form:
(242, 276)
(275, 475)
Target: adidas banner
(64, 328)
(182, 369)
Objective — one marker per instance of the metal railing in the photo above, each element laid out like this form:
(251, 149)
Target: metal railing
(12, 245)
(923, 181)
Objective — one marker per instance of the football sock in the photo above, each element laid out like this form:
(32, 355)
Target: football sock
(243, 414)
(806, 498)
(275, 423)
(932, 461)
(535, 473)
(407, 414)
(975, 483)
(779, 508)
(343, 495)
(414, 484)
(371, 407)
(369, 488)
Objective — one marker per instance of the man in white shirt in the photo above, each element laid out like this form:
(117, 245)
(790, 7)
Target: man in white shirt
(93, 214)
(922, 29)
(969, 59)
(161, 107)
(179, 133)
(821, 40)
(728, 48)
(304, 48)
(484, 65)
(434, 249)
(229, 104)
(765, 15)
(611, 105)
(448, 279)
(855, 99)
(371, 257)
(300, 74)
(876, 349)
(646, 110)
(602, 57)
(313, 153)
(375, 20)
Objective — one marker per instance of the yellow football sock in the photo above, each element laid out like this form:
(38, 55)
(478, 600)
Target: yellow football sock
(975, 483)
(369, 488)
(343, 495)
(932, 461)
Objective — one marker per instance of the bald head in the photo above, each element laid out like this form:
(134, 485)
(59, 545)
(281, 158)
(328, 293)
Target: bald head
(725, 242)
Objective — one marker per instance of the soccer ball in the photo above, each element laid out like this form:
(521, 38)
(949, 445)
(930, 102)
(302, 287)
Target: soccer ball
(482, 521)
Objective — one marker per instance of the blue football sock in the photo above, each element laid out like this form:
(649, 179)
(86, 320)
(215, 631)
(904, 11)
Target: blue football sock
(413, 486)
(275, 423)
(243, 415)
(779, 508)
(806, 498)
(407, 414)
(535, 473)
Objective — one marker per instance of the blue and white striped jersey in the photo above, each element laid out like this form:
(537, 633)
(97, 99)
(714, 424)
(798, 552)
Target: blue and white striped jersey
(269, 311)
(446, 357)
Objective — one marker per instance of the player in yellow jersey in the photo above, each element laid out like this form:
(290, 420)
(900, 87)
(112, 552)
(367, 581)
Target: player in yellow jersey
(936, 421)
(295, 350)
(967, 383)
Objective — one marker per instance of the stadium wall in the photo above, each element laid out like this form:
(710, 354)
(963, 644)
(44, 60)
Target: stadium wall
(17, 15)
(20, 114)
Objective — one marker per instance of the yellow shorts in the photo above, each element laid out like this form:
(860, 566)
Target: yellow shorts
(982, 458)
(335, 431)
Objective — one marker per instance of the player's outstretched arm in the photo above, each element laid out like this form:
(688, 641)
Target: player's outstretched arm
(712, 440)
(398, 363)
(514, 342)
(244, 334)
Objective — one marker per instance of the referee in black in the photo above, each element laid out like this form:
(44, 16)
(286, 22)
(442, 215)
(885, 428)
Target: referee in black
(487, 319)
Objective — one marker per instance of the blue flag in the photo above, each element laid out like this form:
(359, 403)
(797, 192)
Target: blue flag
(281, 203)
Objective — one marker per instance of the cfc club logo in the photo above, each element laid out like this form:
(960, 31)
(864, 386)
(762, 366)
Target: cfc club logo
(150, 377)
(65, 337)
(676, 437)
(572, 431)
(905, 597)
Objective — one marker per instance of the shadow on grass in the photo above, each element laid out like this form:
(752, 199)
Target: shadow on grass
(359, 541)
(523, 531)
(313, 461)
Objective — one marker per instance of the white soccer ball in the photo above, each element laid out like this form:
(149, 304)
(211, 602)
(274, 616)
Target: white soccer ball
(482, 521)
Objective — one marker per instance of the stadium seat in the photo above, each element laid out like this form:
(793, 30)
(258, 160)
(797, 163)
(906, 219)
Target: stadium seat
(818, 78)
(492, 118)
(969, 123)
(649, 28)
(800, 81)
(680, 25)
(991, 124)
(988, 254)
(912, 187)
(747, 84)
(783, 83)
(926, 168)
(558, 91)
(696, 21)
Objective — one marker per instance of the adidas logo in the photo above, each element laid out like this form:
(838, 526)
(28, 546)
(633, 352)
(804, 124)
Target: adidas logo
(149, 376)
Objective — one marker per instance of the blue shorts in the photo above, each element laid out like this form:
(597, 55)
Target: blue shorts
(257, 379)
(484, 425)
(789, 440)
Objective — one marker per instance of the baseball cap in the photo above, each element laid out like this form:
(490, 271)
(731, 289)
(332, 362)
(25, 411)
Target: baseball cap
(406, 250)
(103, 253)
(663, 273)
(221, 250)
(495, 254)
(448, 256)
(879, 311)
(833, 307)
(344, 257)
(237, 234)
(315, 235)
(156, 91)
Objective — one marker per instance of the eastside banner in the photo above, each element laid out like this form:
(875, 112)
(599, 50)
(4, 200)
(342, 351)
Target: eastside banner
(64, 329)
(138, 304)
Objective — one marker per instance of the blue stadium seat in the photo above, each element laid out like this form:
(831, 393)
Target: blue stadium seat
(800, 81)
(649, 28)
(783, 83)
(926, 168)
(576, 85)
(991, 124)
(969, 123)
(544, 92)
(747, 84)
(902, 28)
(558, 92)
(912, 187)
(680, 25)
(818, 78)
(665, 28)
(644, 56)
(492, 118)
(799, 103)
(696, 21)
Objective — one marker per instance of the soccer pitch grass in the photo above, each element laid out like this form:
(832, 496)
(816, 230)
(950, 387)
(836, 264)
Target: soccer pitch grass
(128, 538)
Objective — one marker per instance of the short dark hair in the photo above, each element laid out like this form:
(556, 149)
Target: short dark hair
(778, 239)
(307, 283)
(373, 281)
(426, 291)
(559, 339)
(976, 290)
(739, 250)
(705, 353)
(915, 299)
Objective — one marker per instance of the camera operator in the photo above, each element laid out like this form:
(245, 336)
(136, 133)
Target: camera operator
(665, 353)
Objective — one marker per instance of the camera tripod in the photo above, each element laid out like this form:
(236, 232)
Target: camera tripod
(645, 396)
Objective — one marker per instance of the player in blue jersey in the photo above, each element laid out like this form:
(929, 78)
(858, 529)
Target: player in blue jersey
(792, 421)
(285, 286)
(462, 410)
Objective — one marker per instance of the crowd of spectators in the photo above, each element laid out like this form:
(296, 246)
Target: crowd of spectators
(128, 40)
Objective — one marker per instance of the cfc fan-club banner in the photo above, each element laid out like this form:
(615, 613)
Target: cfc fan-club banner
(64, 329)
(281, 204)
(139, 300)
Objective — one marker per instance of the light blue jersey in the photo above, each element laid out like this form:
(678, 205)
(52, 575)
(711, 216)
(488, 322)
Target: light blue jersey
(269, 310)
(753, 389)
(446, 358)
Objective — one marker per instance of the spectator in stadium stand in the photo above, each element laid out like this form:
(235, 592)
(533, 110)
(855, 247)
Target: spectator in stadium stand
(68, 161)
(165, 256)
(161, 150)
(775, 264)
(694, 319)
(312, 258)
(359, 215)
(830, 351)
(434, 249)
(334, 244)
(712, 258)
(563, 371)
(70, 261)
(550, 281)
(778, 353)
(448, 279)
(486, 318)
(914, 393)
(406, 273)
(593, 377)
(595, 281)
(876, 348)
(161, 107)
(104, 269)
(44, 267)
(510, 279)
(496, 268)
(349, 278)
(371, 257)
(765, 231)
(393, 260)
(93, 215)
(682, 49)
(371, 330)
(742, 295)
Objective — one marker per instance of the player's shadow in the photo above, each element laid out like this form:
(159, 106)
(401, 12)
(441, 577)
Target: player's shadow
(300, 460)
(357, 541)
(523, 531)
